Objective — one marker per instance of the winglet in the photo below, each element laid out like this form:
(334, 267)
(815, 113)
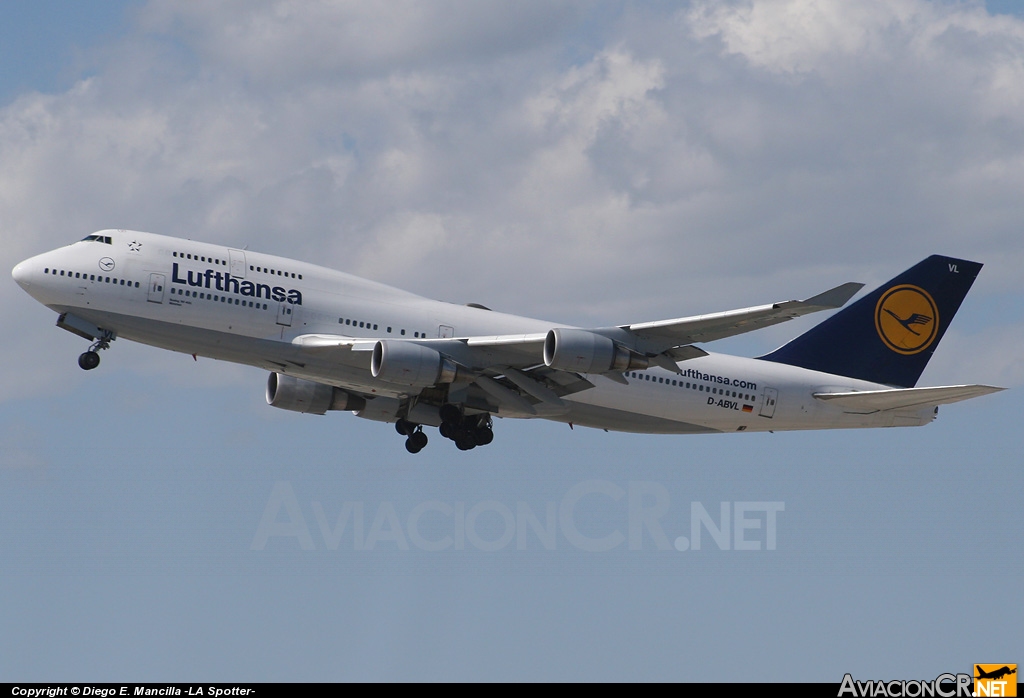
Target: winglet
(836, 297)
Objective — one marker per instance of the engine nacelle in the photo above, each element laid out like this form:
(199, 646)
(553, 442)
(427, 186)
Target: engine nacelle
(299, 395)
(407, 363)
(580, 351)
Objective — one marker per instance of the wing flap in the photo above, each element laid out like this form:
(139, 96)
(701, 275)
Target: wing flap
(902, 398)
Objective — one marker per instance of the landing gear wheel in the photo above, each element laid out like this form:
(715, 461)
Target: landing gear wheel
(417, 439)
(483, 436)
(465, 442)
(404, 427)
(89, 360)
(450, 413)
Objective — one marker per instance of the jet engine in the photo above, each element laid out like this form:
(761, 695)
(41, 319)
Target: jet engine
(299, 395)
(407, 363)
(580, 351)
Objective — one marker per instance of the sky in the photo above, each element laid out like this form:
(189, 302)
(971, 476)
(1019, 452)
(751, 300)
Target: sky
(589, 163)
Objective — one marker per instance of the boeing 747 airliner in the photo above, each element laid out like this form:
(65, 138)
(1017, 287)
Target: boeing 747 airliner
(332, 341)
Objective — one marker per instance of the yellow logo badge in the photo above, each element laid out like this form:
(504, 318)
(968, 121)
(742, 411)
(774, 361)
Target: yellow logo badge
(906, 319)
(995, 680)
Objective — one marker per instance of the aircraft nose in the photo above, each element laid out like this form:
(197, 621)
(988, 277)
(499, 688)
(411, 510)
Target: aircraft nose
(21, 275)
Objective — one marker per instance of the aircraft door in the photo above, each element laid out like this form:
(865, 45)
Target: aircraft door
(445, 332)
(771, 395)
(156, 288)
(237, 261)
(284, 314)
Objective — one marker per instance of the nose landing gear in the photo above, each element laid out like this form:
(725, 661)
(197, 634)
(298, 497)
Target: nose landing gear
(89, 360)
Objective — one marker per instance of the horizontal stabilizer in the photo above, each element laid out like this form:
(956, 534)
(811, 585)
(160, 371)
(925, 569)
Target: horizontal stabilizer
(901, 398)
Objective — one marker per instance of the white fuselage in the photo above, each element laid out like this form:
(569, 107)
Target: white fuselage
(247, 307)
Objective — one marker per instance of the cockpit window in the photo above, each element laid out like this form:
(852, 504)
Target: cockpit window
(98, 238)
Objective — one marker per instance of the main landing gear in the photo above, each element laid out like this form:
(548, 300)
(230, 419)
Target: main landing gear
(417, 439)
(467, 431)
(89, 360)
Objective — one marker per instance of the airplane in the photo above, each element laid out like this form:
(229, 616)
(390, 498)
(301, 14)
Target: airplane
(995, 674)
(333, 341)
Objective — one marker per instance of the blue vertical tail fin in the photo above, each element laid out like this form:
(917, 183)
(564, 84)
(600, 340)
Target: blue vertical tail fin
(889, 335)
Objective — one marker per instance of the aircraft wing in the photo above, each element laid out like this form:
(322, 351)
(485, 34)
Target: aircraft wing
(661, 335)
(879, 400)
(509, 369)
(661, 343)
(337, 342)
(672, 337)
(475, 353)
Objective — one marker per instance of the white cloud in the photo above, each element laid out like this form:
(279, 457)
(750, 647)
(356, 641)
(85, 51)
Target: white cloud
(286, 41)
(551, 159)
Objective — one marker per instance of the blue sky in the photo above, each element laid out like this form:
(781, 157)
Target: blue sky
(591, 165)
